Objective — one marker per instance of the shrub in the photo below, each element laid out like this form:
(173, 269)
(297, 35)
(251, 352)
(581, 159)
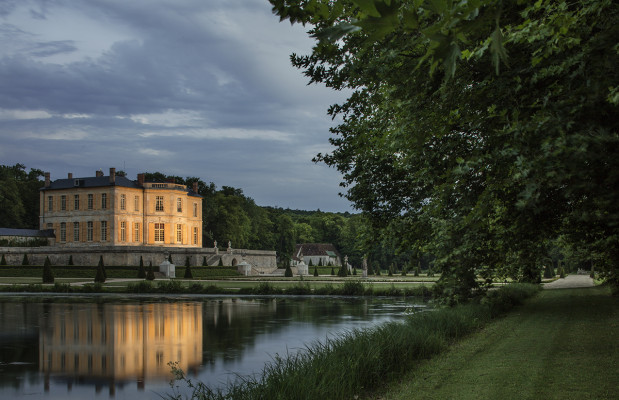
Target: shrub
(140, 287)
(169, 287)
(3, 260)
(100, 276)
(332, 271)
(204, 261)
(188, 274)
(288, 272)
(70, 262)
(315, 271)
(221, 262)
(25, 260)
(150, 275)
(48, 275)
(141, 270)
(353, 288)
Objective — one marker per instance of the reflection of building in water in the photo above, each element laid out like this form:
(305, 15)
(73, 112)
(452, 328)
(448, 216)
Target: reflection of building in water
(117, 342)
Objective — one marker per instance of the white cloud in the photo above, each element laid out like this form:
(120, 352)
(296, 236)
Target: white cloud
(220, 134)
(23, 114)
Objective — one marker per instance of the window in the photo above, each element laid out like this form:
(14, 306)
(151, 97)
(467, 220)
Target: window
(103, 231)
(195, 235)
(89, 227)
(136, 232)
(76, 231)
(63, 231)
(50, 203)
(179, 205)
(159, 232)
(90, 201)
(63, 202)
(159, 203)
(195, 209)
(76, 202)
(136, 203)
(122, 201)
(179, 233)
(123, 231)
(103, 201)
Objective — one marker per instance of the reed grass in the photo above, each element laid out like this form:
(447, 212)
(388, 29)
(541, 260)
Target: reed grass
(359, 361)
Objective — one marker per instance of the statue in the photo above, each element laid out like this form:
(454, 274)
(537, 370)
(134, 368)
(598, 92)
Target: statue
(215, 244)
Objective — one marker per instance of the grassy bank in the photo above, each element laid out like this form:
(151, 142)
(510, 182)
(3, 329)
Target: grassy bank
(359, 361)
(298, 288)
(560, 345)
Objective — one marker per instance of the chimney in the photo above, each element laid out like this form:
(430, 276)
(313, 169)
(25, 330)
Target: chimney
(99, 173)
(195, 187)
(140, 179)
(48, 182)
(171, 180)
(112, 175)
(70, 175)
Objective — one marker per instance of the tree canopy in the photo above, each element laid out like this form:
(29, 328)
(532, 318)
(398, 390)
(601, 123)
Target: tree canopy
(478, 131)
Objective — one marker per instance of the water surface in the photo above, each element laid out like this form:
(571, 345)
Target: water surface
(120, 347)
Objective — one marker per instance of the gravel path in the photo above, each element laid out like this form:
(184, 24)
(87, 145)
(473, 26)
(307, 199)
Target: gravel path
(570, 281)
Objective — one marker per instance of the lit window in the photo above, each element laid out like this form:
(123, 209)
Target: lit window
(63, 202)
(90, 201)
(103, 201)
(103, 231)
(136, 232)
(123, 231)
(76, 202)
(179, 205)
(89, 227)
(159, 203)
(122, 201)
(179, 233)
(63, 231)
(76, 231)
(136, 203)
(159, 232)
(50, 203)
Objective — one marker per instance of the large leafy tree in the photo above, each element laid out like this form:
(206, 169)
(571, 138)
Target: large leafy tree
(477, 131)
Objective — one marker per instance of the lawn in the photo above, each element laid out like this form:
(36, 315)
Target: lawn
(561, 345)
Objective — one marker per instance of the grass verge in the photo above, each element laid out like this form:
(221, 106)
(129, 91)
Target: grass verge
(561, 345)
(359, 361)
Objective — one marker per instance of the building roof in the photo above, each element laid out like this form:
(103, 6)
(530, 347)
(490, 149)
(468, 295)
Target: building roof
(98, 181)
(27, 232)
(91, 182)
(315, 249)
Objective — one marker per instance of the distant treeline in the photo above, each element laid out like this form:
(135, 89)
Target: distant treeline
(228, 215)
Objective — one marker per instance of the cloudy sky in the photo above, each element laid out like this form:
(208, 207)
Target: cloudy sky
(185, 87)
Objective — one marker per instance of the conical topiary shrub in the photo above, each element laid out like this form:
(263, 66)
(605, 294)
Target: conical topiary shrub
(141, 270)
(100, 276)
(70, 262)
(390, 273)
(102, 266)
(204, 261)
(150, 275)
(48, 275)
(170, 259)
(315, 271)
(221, 262)
(332, 271)
(25, 261)
(288, 271)
(3, 260)
(188, 274)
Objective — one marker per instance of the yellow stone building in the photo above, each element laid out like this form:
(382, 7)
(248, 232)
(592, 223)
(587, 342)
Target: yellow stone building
(115, 211)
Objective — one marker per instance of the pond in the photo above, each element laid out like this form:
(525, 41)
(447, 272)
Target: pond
(76, 347)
